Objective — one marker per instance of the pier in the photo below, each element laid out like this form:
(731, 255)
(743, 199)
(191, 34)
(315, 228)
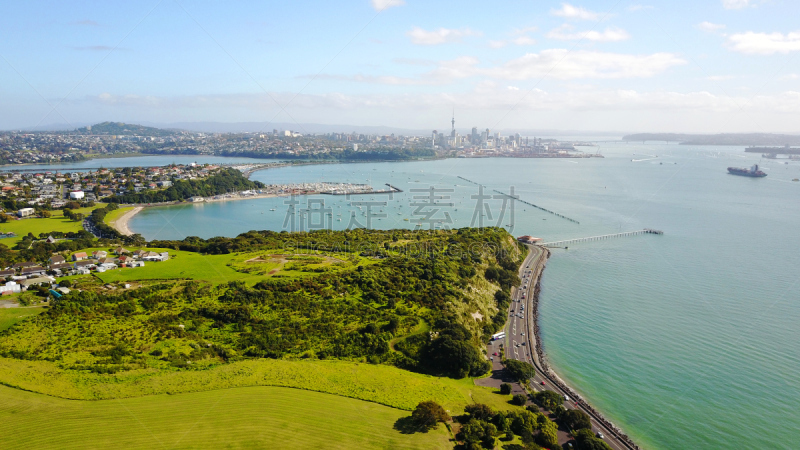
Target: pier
(365, 191)
(523, 201)
(566, 242)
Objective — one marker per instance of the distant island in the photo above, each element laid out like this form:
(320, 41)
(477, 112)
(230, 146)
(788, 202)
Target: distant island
(123, 129)
(717, 139)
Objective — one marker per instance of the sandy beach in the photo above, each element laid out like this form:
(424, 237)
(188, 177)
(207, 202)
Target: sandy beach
(121, 224)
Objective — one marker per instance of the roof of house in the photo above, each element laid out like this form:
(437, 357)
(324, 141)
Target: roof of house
(5, 273)
(60, 266)
(80, 254)
(84, 263)
(36, 280)
(29, 270)
(55, 259)
(24, 264)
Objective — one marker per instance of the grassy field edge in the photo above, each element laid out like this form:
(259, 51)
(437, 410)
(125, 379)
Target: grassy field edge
(380, 384)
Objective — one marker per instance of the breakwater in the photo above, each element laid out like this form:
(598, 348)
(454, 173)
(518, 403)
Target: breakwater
(522, 201)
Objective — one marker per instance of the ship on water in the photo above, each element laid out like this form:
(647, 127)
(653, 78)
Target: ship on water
(754, 172)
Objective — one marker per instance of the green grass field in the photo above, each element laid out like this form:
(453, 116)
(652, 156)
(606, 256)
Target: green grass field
(382, 384)
(214, 269)
(252, 417)
(37, 226)
(116, 214)
(10, 316)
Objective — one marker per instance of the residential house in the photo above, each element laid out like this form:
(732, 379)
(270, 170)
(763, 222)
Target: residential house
(7, 273)
(33, 271)
(23, 265)
(9, 288)
(80, 256)
(84, 265)
(99, 254)
(57, 259)
(25, 212)
(37, 281)
(122, 250)
(61, 268)
(154, 256)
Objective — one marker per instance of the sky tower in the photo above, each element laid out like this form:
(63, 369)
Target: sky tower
(453, 125)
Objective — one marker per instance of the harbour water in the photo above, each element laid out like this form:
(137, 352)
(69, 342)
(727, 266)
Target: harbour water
(689, 339)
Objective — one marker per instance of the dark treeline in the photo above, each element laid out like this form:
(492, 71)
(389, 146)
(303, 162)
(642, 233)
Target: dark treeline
(226, 180)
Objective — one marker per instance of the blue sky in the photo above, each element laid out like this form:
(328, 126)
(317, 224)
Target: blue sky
(685, 66)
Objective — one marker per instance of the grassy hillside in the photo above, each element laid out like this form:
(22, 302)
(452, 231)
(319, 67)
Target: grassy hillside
(10, 316)
(381, 384)
(255, 417)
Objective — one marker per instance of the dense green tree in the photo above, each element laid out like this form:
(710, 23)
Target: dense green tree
(548, 399)
(586, 440)
(519, 370)
(505, 388)
(519, 399)
(478, 432)
(428, 414)
(479, 411)
(575, 419)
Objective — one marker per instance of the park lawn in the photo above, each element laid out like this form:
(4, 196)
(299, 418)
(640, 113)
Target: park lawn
(215, 269)
(116, 214)
(10, 316)
(250, 417)
(85, 211)
(381, 384)
(36, 226)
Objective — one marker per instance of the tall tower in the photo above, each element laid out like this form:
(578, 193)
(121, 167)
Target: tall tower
(453, 124)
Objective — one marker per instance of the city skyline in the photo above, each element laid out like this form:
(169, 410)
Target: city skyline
(720, 66)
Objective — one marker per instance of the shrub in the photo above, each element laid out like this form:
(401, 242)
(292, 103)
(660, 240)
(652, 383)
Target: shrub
(519, 399)
(505, 388)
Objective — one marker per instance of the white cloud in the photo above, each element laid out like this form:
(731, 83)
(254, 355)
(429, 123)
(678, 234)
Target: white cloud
(565, 65)
(441, 36)
(765, 43)
(526, 30)
(791, 76)
(609, 35)
(524, 40)
(485, 96)
(574, 12)
(381, 5)
(559, 64)
(710, 27)
(498, 44)
(735, 4)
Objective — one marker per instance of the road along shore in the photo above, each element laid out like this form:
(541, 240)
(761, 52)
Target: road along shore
(540, 360)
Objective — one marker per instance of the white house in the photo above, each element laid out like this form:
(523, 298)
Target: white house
(10, 287)
(76, 195)
(25, 212)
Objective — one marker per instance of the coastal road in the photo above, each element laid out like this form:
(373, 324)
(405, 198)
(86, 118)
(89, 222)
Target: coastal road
(520, 342)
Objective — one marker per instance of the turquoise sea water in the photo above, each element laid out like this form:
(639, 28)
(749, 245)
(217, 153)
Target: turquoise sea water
(686, 340)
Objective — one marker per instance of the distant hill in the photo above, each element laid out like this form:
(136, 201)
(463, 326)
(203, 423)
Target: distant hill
(123, 129)
(718, 139)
